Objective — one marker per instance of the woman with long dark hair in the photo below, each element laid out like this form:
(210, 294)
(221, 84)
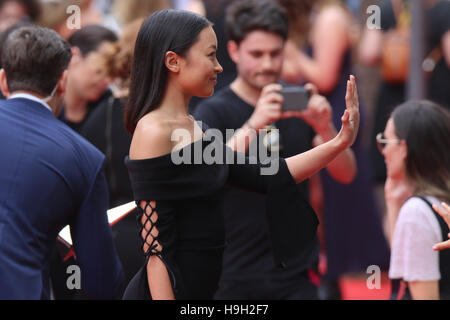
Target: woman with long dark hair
(179, 205)
(414, 145)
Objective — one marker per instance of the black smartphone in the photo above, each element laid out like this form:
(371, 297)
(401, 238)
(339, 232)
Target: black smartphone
(295, 98)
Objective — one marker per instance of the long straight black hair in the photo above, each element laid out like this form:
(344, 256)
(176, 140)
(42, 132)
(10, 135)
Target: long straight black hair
(425, 127)
(164, 30)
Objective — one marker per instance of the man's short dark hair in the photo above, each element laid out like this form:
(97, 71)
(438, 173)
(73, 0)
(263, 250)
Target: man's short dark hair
(34, 58)
(5, 33)
(245, 16)
(89, 38)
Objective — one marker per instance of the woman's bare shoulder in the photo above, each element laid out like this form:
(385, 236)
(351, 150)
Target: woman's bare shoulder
(151, 138)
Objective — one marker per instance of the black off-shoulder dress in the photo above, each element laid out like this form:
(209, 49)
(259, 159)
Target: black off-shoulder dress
(190, 219)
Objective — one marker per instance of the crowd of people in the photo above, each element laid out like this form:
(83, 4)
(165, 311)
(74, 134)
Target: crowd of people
(90, 116)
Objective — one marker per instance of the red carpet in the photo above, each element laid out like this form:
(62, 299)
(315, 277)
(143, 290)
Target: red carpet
(355, 288)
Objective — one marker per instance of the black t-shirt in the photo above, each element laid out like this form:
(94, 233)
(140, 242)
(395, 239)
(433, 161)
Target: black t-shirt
(248, 252)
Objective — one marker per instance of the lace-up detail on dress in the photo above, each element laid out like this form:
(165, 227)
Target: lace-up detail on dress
(148, 218)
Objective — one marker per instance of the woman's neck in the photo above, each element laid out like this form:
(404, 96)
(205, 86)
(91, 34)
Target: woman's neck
(174, 102)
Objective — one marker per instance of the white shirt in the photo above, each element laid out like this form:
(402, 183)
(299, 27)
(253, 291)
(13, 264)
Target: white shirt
(30, 97)
(415, 233)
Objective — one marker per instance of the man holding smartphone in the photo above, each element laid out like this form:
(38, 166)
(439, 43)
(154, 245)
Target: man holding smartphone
(257, 31)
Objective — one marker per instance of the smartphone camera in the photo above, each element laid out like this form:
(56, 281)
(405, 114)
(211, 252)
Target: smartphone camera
(295, 98)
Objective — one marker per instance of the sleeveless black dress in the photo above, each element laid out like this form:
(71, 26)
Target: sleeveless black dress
(190, 220)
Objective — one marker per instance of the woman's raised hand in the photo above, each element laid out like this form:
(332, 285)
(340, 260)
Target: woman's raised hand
(350, 119)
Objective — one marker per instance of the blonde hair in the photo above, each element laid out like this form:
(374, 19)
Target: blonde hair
(126, 11)
(116, 58)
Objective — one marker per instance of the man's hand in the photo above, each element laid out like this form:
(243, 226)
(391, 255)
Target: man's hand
(318, 114)
(268, 107)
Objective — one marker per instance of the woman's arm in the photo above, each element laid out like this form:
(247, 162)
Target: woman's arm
(424, 290)
(304, 165)
(151, 139)
(370, 47)
(330, 40)
(319, 116)
(343, 169)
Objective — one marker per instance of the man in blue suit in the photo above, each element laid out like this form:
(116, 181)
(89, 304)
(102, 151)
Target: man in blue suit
(49, 176)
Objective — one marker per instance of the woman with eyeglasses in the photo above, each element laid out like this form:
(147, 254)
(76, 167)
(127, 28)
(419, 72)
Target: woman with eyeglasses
(415, 147)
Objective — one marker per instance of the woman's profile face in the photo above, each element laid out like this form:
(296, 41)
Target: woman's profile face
(199, 68)
(394, 151)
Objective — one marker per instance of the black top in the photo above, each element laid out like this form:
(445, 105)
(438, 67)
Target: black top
(189, 203)
(78, 126)
(105, 129)
(248, 254)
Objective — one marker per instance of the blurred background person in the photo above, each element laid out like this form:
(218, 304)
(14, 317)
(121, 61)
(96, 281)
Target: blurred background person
(14, 11)
(87, 84)
(55, 15)
(319, 51)
(105, 129)
(196, 6)
(128, 11)
(388, 49)
(416, 180)
(86, 88)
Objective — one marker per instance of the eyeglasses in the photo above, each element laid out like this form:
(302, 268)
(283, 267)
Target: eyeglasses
(382, 142)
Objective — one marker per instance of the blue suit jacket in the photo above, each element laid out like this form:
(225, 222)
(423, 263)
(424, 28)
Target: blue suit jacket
(50, 177)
